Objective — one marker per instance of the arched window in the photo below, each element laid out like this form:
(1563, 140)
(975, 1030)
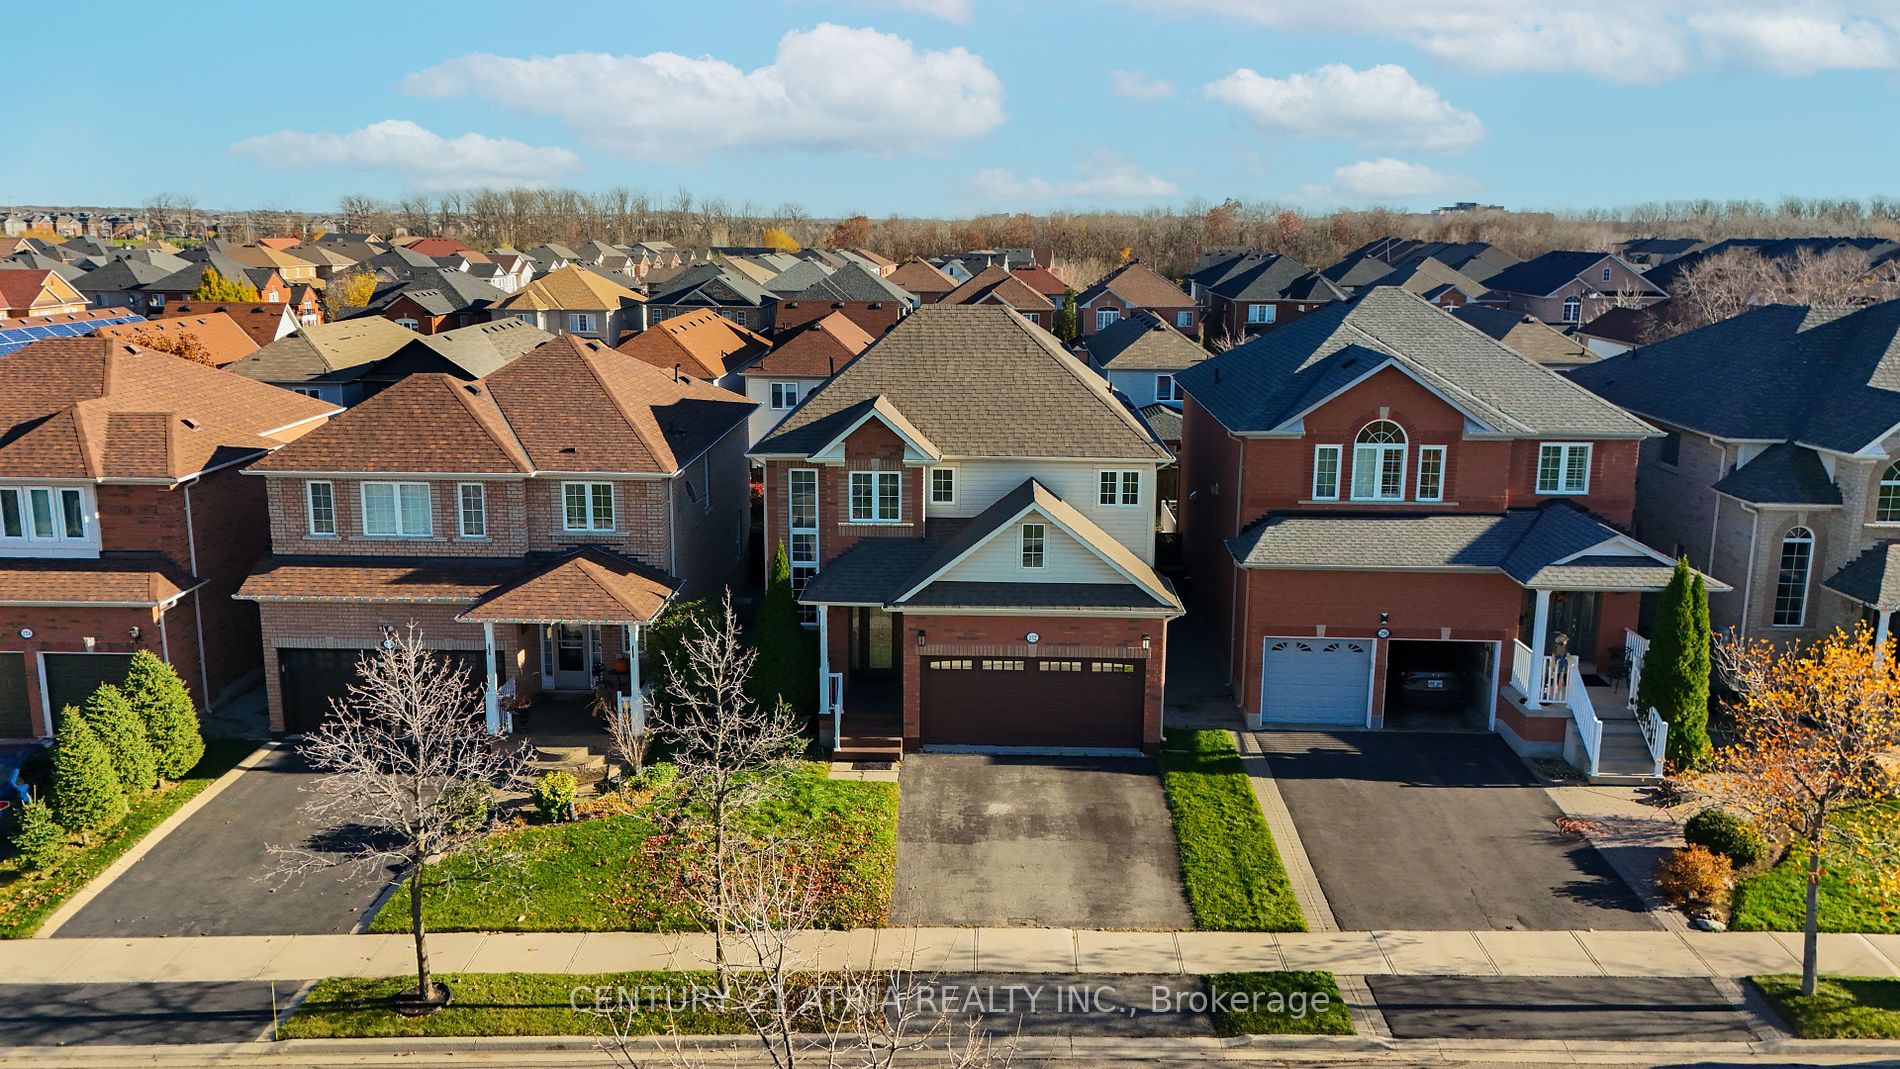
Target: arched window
(1573, 309)
(1378, 462)
(1887, 502)
(1791, 580)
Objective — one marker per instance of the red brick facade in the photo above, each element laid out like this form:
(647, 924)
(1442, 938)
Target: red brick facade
(873, 317)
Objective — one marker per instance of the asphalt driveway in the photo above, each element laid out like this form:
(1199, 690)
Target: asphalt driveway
(1447, 832)
(1036, 841)
(215, 873)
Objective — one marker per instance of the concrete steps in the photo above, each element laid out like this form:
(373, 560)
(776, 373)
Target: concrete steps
(1624, 757)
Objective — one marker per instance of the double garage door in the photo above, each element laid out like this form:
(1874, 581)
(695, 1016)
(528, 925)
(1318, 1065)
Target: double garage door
(313, 679)
(1043, 703)
(1316, 681)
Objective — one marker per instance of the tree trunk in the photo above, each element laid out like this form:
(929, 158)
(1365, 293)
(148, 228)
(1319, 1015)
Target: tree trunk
(424, 988)
(719, 894)
(1811, 933)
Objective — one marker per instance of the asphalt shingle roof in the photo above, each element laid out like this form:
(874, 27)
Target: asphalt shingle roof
(1782, 474)
(1873, 578)
(1143, 341)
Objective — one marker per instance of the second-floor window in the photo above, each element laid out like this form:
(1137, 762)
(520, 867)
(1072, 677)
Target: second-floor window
(1033, 538)
(43, 513)
(1106, 317)
(1326, 473)
(943, 486)
(587, 506)
(1183, 320)
(876, 496)
(1165, 389)
(1262, 313)
(580, 322)
(1573, 309)
(1431, 473)
(784, 394)
(1120, 488)
(1563, 468)
(320, 503)
(1378, 462)
(396, 510)
(1791, 578)
(472, 503)
(1887, 501)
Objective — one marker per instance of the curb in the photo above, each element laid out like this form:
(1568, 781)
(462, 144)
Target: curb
(144, 846)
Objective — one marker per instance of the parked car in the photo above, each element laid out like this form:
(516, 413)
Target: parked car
(1447, 687)
(25, 768)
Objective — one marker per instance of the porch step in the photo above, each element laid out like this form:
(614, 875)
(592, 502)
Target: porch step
(1624, 758)
(855, 746)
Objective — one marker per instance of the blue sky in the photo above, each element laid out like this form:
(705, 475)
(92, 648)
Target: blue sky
(964, 106)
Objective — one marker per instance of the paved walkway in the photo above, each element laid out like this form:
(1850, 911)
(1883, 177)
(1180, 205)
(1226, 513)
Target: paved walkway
(992, 950)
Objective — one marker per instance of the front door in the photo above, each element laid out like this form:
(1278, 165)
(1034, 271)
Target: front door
(874, 634)
(567, 657)
(1573, 615)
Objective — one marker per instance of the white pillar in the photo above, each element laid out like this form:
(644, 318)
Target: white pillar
(492, 699)
(1540, 635)
(1881, 631)
(633, 673)
(824, 659)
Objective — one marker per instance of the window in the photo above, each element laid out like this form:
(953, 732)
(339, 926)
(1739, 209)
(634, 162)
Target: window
(943, 486)
(876, 496)
(801, 507)
(1033, 537)
(1431, 473)
(1059, 666)
(1106, 317)
(1606, 274)
(784, 395)
(530, 318)
(1183, 320)
(587, 506)
(1791, 581)
(1573, 309)
(320, 503)
(271, 296)
(580, 322)
(308, 391)
(472, 503)
(1120, 488)
(1887, 502)
(1165, 389)
(1033, 317)
(1326, 473)
(1262, 313)
(1669, 450)
(12, 522)
(43, 513)
(1563, 468)
(1378, 462)
(407, 322)
(397, 510)
(1115, 667)
(1002, 666)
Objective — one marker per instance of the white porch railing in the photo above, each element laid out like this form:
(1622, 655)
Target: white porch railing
(1521, 667)
(1582, 713)
(1638, 648)
(1557, 679)
(834, 701)
(1656, 734)
(1552, 683)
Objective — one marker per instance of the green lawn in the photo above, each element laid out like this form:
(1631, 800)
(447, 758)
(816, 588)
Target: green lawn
(1235, 881)
(1842, 1007)
(1776, 900)
(626, 872)
(1278, 1003)
(28, 898)
(514, 1004)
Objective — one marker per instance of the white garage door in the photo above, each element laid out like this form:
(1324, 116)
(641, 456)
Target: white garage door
(1315, 681)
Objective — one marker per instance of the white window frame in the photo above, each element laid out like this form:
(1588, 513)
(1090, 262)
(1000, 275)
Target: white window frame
(533, 319)
(784, 395)
(1116, 494)
(310, 507)
(405, 321)
(1437, 493)
(1106, 317)
(1889, 480)
(1606, 274)
(1337, 452)
(1262, 313)
(1166, 388)
(591, 519)
(462, 514)
(1573, 309)
(583, 323)
(1183, 320)
(401, 515)
(1041, 547)
(877, 481)
(1564, 452)
(57, 516)
(949, 474)
(1373, 456)
(1795, 536)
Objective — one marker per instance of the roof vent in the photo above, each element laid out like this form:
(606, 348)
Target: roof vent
(568, 449)
(190, 424)
(472, 388)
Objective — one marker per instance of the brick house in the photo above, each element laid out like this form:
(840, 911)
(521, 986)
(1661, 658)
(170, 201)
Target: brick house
(1000, 286)
(1784, 481)
(1573, 287)
(868, 299)
(1379, 492)
(1130, 288)
(124, 522)
(1254, 292)
(924, 279)
(703, 344)
(531, 522)
(969, 512)
(801, 360)
(579, 301)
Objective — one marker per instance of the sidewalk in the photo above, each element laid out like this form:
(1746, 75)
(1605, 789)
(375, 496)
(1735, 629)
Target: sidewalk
(1716, 955)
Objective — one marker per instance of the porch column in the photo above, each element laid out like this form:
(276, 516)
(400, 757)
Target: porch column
(1881, 631)
(824, 659)
(1540, 635)
(491, 699)
(633, 673)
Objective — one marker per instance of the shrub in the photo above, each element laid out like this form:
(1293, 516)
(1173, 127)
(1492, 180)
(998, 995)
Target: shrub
(86, 792)
(1696, 879)
(787, 665)
(1724, 833)
(122, 732)
(666, 638)
(468, 805)
(171, 722)
(39, 838)
(553, 795)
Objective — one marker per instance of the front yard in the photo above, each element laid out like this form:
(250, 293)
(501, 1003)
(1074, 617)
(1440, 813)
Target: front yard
(1776, 900)
(626, 872)
(1842, 1007)
(1231, 868)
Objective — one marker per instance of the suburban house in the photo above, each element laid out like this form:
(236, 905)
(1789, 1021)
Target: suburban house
(469, 353)
(124, 524)
(326, 258)
(181, 284)
(703, 344)
(574, 300)
(1573, 287)
(326, 361)
(1378, 495)
(1371, 264)
(29, 292)
(924, 279)
(969, 514)
(1779, 468)
(1133, 287)
(1440, 285)
(801, 360)
(223, 340)
(729, 293)
(1259, 291)
(265, 322)
(432, 300)
(1140, 355)
(121, 283)
(531, 523)
(1526, 335)
(293, 269)
(867, 298)
(1000, 286)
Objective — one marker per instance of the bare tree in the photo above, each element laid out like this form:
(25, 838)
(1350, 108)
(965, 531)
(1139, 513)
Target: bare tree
(402, 753)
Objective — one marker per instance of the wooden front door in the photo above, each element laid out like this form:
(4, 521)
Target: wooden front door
(874, 638)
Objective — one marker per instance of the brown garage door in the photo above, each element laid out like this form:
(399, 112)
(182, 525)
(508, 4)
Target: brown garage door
(72, 677)
(1002, 701)
(312, 679)
(16, 720)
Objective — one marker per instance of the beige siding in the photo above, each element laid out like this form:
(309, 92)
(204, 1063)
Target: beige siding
(981, 482)
(1064, 561)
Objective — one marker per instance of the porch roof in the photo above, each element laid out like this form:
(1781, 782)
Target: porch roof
(140, 580)
(589, 585)
(376, 580)
(1873, 578)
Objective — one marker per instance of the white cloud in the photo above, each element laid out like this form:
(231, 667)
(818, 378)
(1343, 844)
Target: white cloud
(1138, 85)
(424, 159)
(1387, 179)
(830, 88)
(1103, 176)
(1795, 44)
(947, 10)
(1382, 106)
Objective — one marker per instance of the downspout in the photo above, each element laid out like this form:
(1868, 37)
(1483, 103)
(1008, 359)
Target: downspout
(197, 603)
(1748, 584)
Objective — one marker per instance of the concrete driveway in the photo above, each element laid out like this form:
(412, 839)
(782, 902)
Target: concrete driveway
(1424, 831)
(1036, 841)
(214, 874)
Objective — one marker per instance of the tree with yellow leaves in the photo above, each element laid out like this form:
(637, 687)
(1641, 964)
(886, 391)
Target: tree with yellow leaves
(776, 238)
(1814, 758)
(347, 292)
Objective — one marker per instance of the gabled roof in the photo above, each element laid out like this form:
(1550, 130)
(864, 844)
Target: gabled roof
(96, 408)
(1354, 272)
(702, 343)
(999, 285)
(709, 284)
(484, 348)
(187, 279)
(320, 350)
(438, 292)
(814, 350)
(262, 320)
(1826, 378)
(1428, 278)
(585, 585)
(570, 287)
(121, 275)
(1143, 341)
(22, 287)
(1272, 277)
(1270, 382)
(921, 277)
(1526, 335)
(1782, 474)
(322, 254)
(1553, 271)
(1137, 284)
(851, 282)
(220, 335)
(979, 381)
(1872, 578)
(265, 256)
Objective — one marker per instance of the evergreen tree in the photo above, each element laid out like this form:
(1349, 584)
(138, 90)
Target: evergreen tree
(122, 732)
(86, 792)
(1675, 680)
(787, 667)
(39, 838)
(213, 286)
(1065, 325)
(164, 705)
